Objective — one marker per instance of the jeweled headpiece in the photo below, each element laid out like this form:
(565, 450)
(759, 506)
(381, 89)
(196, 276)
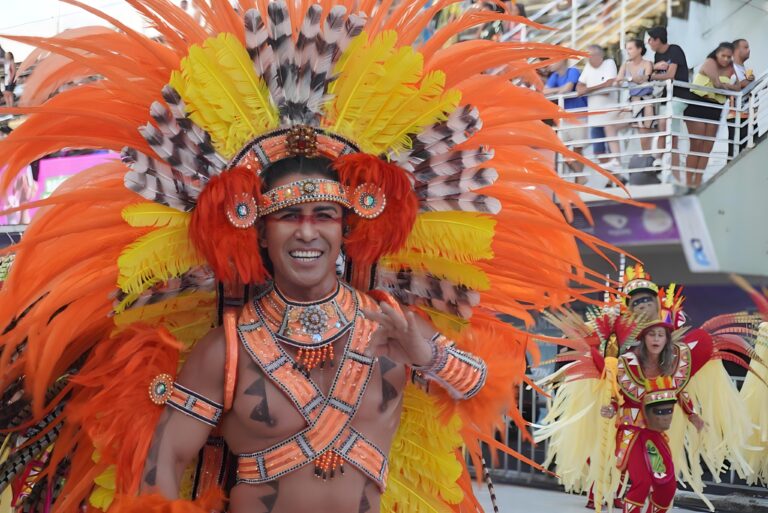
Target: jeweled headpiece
(637, 279)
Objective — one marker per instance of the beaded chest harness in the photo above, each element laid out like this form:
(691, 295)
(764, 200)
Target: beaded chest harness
(329, 440)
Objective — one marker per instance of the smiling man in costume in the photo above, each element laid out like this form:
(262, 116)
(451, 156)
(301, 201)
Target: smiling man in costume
(305, 337)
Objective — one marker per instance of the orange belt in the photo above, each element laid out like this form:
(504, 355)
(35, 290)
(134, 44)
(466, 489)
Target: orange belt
(328, 435)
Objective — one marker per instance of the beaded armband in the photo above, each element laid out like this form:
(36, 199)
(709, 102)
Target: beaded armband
(460, 373)
(163, 390)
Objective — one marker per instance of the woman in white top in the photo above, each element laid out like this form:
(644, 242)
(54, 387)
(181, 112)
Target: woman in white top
(636, 70)
(10, 79)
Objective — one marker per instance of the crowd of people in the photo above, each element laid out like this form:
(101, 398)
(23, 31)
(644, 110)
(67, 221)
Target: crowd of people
(695, 109)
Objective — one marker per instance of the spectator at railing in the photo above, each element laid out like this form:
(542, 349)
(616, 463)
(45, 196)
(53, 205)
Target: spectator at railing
(10, 79)
(715, 73)
(638, 71)
(600, 73)
(563, 80)
(670, 64)
(744, 77)
(515, 31)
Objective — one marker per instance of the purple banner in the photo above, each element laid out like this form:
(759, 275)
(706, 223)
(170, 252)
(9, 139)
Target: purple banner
(626, 225)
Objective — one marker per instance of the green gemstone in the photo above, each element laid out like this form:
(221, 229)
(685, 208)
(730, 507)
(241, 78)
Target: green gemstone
(160, 389)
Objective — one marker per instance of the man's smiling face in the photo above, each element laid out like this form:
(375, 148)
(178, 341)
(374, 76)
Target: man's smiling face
(303, 242)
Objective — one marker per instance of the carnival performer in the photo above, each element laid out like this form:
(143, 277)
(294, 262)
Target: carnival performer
(662, 368)
(640, 301)
(260, 149)
(641, 294)
(672, 368)
(754, 390)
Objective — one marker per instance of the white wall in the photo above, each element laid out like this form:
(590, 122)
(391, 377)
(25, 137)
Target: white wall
(723, 20)
(735, 207)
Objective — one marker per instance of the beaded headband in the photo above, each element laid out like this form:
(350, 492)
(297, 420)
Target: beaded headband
(303, 191)
(640, 284)
(296, 141)
(367, 200)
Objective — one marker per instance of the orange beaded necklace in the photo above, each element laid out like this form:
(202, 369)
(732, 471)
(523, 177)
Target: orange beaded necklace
(311, 327)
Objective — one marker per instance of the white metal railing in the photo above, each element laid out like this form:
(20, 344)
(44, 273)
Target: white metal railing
(585, 22)
(654, 140)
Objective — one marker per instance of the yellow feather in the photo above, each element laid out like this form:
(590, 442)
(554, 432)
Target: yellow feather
(153, 214)
(426, 106)
(382, 96)
(458, 236)
(423, 465)
(223, 94)
(445, 323)
(355, 86)
(189, 327)
(401, 73)
(156, 257)
(669, 300)
(188, 316)
(459, 273)
(104, 490)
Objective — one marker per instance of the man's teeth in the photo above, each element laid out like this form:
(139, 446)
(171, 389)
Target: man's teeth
(308, 255)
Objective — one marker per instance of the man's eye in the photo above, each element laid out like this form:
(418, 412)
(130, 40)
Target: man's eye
(289, 217)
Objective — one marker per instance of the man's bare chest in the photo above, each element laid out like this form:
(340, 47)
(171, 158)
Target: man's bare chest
(264, 415)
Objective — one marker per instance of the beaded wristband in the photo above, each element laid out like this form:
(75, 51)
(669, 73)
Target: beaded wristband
(460, 373)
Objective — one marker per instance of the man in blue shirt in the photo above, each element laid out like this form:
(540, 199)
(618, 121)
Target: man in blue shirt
(573, 131)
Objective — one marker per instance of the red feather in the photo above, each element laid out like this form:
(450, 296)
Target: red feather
(370, 239)
(233, 253)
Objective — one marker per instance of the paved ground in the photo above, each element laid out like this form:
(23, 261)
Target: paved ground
(518, 499)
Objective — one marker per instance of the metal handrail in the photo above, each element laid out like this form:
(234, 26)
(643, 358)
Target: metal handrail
(570, 26)
(673, 163)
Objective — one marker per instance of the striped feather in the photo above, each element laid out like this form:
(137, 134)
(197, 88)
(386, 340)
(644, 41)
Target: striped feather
(174, 152)
(17, 409)
(298, 106)
(464, 202)
(466, 181)
(186, 139)
(451, 163)
(439, 138)
(257, 43)
(353, 26)
(461, 310)
(19, 460)
(196, 279)
(427, 286)
(42, 495)
(284, 50)
(158, 182)
(198, 137)
(338, 32)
